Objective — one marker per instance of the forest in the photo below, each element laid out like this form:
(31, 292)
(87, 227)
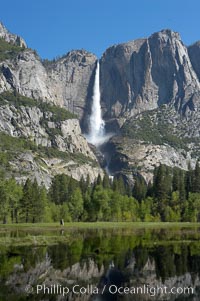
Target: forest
(172, 196)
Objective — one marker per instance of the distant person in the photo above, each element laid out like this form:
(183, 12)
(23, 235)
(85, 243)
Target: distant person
(62, 222)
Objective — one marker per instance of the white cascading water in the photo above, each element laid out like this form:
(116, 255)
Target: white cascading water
(96, 134)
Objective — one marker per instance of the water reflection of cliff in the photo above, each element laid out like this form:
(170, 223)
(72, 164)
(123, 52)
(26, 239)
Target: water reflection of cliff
(102, 258)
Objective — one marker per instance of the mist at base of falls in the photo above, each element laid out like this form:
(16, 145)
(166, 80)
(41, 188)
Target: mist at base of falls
(99, 140)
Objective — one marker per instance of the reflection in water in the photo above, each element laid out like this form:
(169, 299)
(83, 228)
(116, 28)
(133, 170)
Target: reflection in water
(105, 259)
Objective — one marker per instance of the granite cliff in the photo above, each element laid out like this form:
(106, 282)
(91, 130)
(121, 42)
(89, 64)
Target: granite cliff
(150, 90)
(151, 96)
(11, 38)
(144, 74)
(40, 138)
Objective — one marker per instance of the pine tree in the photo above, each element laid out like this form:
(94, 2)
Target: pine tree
(149, 189)
(4, 202)
(188, 181)
(181, 188)
(118, 185)
(140, 188)
(162, 188)
(196, 182)
(72, 186)
(58, 191)
(99, 180)
(14, 196)
(106, 182)
(115, 184)
(39, 202)
(175, 180)
(162, 183)
(82, 185)
(26, 202)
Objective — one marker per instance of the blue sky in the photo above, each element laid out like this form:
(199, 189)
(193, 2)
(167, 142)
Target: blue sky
(54, 27)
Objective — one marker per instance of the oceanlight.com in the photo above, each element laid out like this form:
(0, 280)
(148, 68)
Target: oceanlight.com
(112, 289)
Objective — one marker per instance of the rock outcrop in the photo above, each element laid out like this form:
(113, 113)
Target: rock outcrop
(66, 82)
(52, 144)
(11, 38)
(144, 74)
(131, 157)
(154, 137)
(194, 54)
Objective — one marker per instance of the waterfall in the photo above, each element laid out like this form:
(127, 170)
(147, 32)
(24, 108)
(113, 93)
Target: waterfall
(96, 123)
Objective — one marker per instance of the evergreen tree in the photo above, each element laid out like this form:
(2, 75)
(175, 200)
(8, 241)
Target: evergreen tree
(182, 186)
(162, 188)
(140, 189)
(115, 184)
(14, 195)
(72, 186)
(175, 180)
(82, 185)
(88, 208)
(58, 192)
(119, 185)
(106, 182)
(149, 189)
(162, 183)
(26, 202)
(188, 181)
(196, 182)
(99, 180)
(39, 202)
(4, 202)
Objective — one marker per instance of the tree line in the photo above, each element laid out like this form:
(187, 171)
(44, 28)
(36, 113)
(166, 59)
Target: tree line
(172, 196)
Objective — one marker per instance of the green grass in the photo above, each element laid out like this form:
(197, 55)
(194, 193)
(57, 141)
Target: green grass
(45, 234)
(97, 225)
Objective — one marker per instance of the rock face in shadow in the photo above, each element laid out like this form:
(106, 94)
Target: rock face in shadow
(194, 54)
(144, 74)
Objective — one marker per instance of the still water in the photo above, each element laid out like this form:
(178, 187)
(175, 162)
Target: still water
(103, 265)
